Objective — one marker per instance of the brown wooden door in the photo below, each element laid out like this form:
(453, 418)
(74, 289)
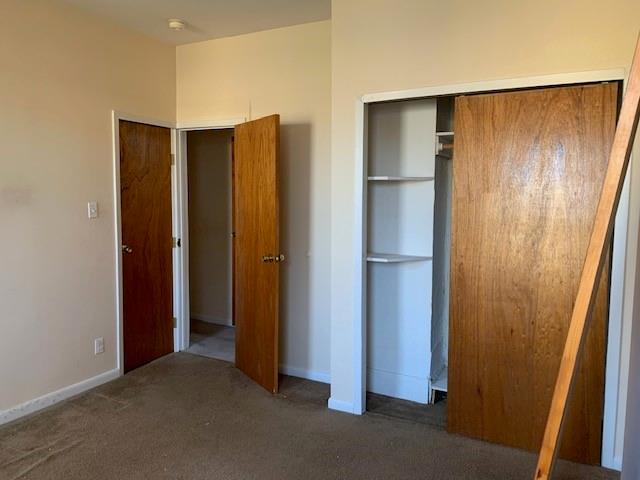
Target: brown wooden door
(528, 170)
(256, 280)
(145, 196)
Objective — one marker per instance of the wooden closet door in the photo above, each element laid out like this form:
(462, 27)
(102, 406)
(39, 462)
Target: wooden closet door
(528, 170)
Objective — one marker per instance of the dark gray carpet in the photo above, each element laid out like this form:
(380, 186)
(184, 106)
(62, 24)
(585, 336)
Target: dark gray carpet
(434, 415)
(190, 417)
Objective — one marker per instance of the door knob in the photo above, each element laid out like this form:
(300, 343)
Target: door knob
(127, 249)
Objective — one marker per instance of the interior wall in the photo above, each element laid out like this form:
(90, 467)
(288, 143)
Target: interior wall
(631, 460)
(441, 260)
(210, 226)
(63, 71)
(380, 45)
(285, 71)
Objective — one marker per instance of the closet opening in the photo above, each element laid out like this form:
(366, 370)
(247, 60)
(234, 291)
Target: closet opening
(409, 184)
(477, 209)
(209, 159)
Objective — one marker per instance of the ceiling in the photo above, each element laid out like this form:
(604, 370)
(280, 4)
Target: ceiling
(206, 19)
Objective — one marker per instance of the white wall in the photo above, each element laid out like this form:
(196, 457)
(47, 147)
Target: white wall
(631, 460)
(400, 142)
(210, 226)
(383, 45)
(62, 73)
(285, 71)
(441, 258)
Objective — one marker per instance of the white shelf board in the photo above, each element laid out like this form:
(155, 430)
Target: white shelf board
(440, 383)
(388, 178)
(394, 258)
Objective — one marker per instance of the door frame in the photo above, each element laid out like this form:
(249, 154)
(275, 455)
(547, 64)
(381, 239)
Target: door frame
(621, 293)
(181, 225)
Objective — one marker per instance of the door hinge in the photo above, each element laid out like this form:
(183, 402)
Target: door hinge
(173, 159)
(175, 242)
(175, 322)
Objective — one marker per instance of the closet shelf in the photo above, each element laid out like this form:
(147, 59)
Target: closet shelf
(388, 178)
(394, 258)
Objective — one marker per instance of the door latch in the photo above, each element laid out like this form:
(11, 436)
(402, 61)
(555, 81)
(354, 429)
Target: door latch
(273, 258)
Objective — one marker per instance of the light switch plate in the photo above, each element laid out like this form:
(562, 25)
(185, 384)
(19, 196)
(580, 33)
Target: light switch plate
(92, 209)
(98, 345)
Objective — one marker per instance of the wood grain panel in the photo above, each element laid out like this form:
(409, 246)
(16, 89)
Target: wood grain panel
(528, 171)
(256, 217)
(594, 263)
(145, 190)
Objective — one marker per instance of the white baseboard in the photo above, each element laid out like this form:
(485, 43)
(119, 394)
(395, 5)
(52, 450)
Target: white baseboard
(304, 373)
(616, 464)
(397, 385)
(341, 406)
(211, 319)
(52, 398)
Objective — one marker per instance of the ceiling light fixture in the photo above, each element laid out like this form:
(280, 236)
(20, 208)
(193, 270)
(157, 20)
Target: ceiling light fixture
(176, 24)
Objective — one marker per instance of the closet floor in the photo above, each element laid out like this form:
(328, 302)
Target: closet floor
(434, 415)
(213, 341)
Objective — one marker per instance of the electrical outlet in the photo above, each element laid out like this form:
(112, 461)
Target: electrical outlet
(98, 344)
(92, 209)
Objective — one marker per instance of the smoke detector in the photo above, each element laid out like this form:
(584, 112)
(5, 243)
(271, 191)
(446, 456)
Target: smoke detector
(176, 24)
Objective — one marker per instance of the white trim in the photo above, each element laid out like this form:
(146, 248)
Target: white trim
(616, 464)
(182, 307)
(498, 85)
(359, 400)
(175, 233)
(341, 406)
(210, 124)
(615, 332)
(619, 260)
(40, 403)
(182, 223)
(116, 116)
(142, 119)
(117, 240)
(304, 373)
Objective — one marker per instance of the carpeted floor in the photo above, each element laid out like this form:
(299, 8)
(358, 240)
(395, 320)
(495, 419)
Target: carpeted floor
(191, 417)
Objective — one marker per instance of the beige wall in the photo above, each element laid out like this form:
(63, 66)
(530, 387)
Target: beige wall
(210, 226)
(61, 74)
(285, 71)
(383, 45)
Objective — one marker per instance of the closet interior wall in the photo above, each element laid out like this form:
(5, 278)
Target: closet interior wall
(443, 184)
(402, 234)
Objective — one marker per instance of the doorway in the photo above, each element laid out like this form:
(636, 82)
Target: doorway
(256, 241)
(255, 266)
(209, 155)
